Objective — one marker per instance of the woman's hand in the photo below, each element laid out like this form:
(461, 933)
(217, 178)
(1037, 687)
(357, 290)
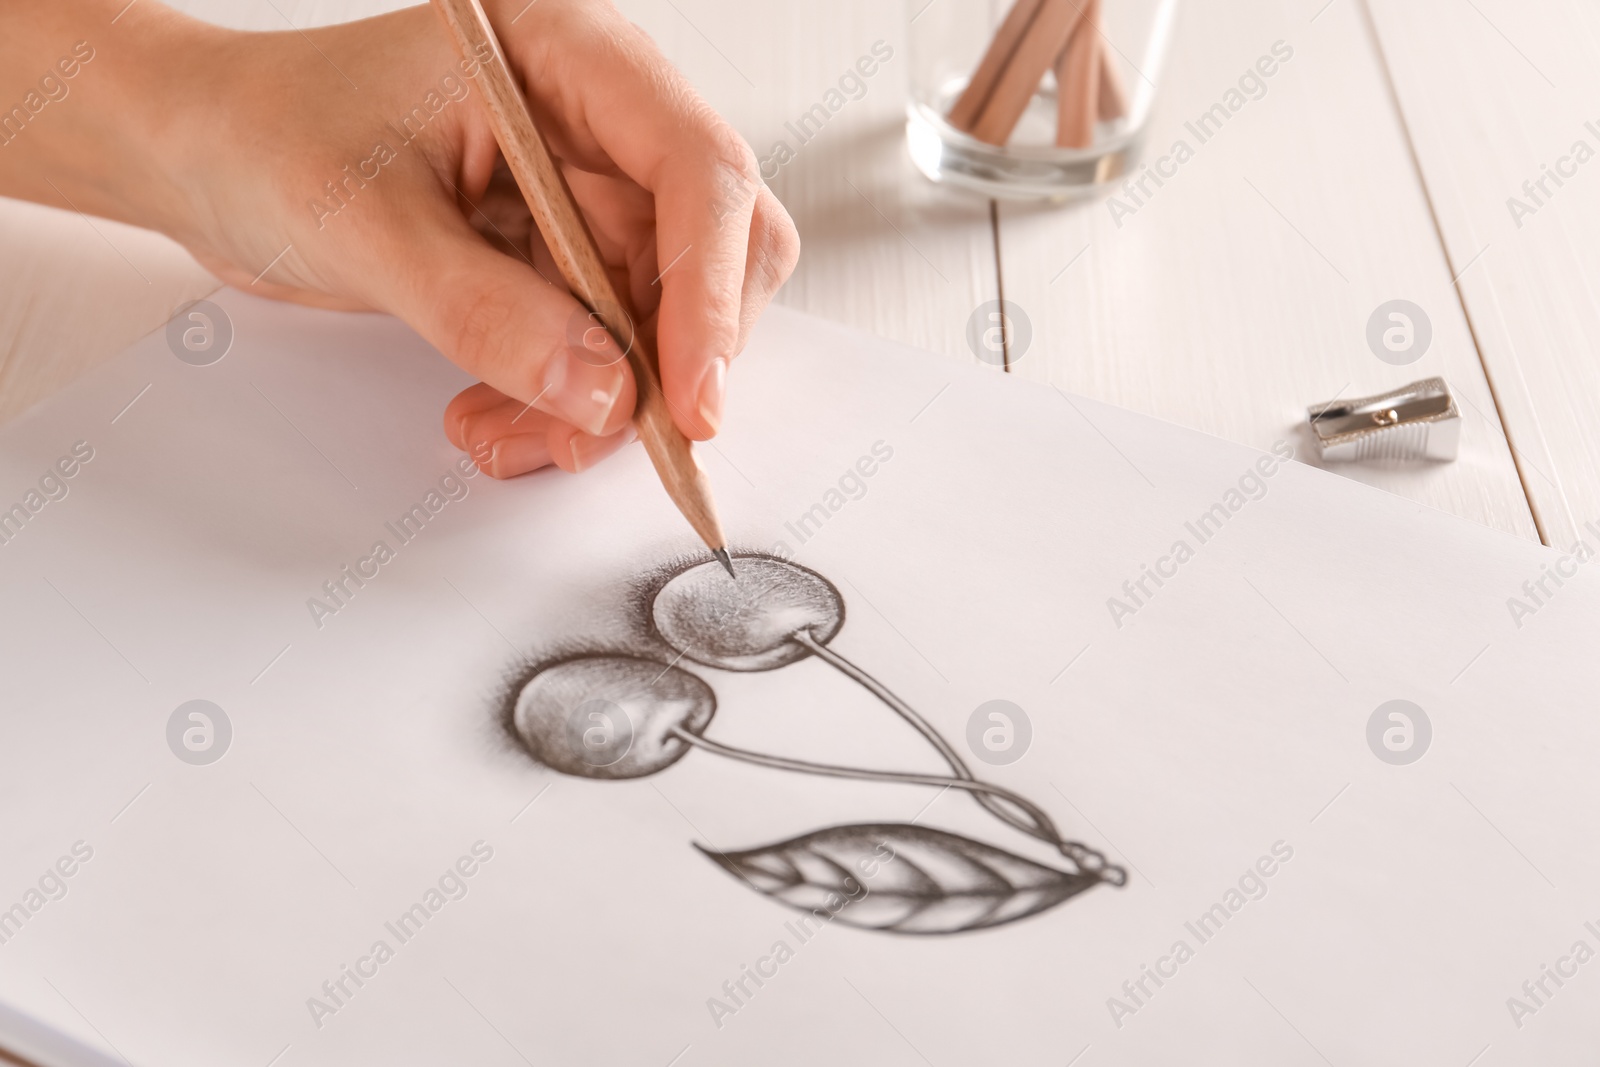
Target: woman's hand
(352, 166)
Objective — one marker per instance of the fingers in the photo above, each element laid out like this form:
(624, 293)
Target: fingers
(482, 415)
(469, 401)
(774, 251)
(575, 451)
(709, 302)
(506, 437)
(494, 316)
(772, 248)
(517, 454)
(711, 216)
(704, 204)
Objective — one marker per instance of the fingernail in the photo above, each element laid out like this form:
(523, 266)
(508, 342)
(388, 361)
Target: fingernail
(518, 454)
(587, 449)
(579, 392)
(713, 386)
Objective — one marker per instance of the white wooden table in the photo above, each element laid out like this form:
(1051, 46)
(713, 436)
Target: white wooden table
(1376, 167)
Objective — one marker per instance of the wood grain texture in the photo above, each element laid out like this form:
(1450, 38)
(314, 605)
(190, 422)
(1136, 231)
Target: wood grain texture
(1237, 292)
(1497, 94)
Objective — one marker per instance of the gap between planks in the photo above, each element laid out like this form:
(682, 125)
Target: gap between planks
(1000, 286)
(1455, 279)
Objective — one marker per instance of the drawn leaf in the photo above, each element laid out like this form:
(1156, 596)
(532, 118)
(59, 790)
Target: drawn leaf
(903, 878)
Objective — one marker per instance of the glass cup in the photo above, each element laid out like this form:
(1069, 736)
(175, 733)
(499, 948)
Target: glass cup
(947, 40)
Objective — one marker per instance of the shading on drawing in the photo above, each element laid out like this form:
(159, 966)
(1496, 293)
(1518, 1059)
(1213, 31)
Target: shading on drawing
(605, 714)
(923, 881)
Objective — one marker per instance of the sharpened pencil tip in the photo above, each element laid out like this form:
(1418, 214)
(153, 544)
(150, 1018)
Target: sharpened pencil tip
(726, 561)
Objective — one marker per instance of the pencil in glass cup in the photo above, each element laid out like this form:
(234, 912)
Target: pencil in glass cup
(1034, 37)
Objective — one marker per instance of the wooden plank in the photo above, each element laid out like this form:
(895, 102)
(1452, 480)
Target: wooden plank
(1496, 94)
(1238, 292)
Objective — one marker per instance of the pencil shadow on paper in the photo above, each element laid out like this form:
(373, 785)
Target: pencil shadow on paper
(634, 707)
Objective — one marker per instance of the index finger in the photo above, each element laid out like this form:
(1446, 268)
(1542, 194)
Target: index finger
(642, 114)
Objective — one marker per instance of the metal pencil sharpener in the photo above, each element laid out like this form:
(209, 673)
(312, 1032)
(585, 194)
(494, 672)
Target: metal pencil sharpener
(1416, 421)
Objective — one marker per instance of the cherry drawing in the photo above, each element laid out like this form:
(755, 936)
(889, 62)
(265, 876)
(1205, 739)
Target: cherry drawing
(769, 617)
(613, 715)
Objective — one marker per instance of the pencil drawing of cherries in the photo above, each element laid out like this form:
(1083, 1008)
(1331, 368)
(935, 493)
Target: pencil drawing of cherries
(613, 715)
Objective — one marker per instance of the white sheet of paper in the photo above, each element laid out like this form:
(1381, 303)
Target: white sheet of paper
(1220, 724)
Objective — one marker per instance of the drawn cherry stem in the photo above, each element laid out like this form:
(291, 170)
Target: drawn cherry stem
(1046, 831)
(990, 797)
(777, 613)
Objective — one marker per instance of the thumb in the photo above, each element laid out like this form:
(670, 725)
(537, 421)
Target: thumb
(499, 319)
